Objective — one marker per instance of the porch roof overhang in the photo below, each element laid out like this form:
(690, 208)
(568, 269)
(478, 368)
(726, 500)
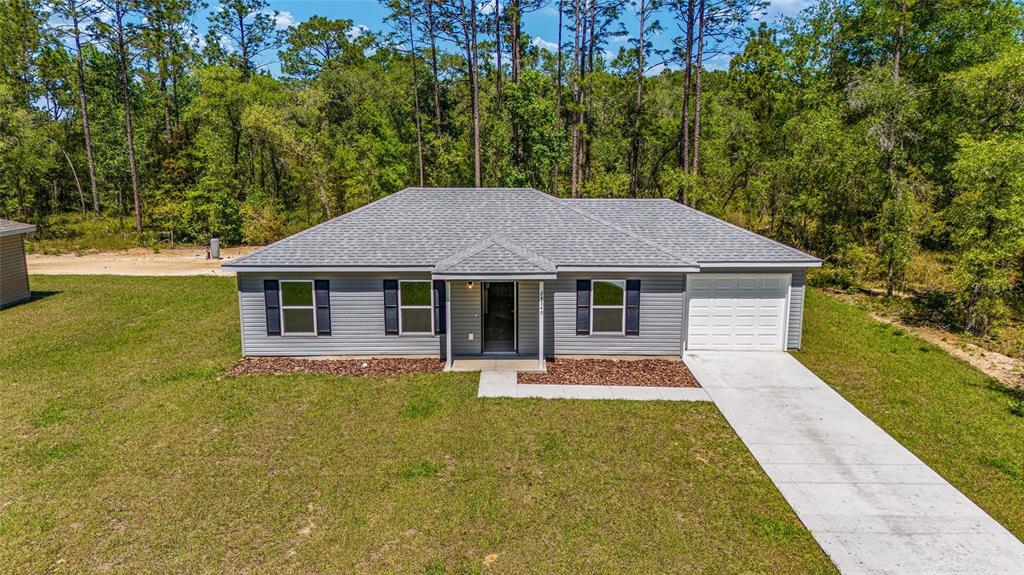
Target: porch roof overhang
(493, 277)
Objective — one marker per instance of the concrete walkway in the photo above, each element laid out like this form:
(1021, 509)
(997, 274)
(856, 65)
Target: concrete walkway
(503, 384)
(872, 505)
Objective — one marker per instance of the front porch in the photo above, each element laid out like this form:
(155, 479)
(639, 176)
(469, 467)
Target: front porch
(494, 324)
(494, 296)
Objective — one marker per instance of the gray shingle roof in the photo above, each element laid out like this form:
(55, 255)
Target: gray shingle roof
(692, 233)
(12, 228)
(490, 230)
(495, 255)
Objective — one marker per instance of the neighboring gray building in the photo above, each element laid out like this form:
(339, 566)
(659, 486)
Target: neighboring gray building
(13, 271)
(468, 272)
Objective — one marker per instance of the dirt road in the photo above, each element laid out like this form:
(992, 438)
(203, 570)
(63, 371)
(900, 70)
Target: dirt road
(136, 262)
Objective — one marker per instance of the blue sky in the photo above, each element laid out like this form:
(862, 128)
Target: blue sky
(542, 26)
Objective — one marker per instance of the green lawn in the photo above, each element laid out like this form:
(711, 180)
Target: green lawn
(949, 414)
(123, 449)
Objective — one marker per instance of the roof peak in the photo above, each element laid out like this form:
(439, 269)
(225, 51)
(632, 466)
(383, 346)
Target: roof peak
(496, 240)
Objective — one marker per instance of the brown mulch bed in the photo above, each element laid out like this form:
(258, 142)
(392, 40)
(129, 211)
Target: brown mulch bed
(639, 372)
(346, 367)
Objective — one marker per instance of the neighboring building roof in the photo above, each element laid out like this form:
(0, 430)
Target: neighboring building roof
(12, 228)
(517, 231)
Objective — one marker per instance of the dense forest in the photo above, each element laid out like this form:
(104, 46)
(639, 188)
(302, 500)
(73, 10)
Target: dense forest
(863, 131)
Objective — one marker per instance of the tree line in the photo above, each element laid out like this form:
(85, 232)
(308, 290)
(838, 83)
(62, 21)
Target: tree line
(863, 131)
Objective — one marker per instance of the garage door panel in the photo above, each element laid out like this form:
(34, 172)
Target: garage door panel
(737, 311)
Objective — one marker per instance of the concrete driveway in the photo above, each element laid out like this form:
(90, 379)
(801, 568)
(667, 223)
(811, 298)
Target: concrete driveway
(873, 506)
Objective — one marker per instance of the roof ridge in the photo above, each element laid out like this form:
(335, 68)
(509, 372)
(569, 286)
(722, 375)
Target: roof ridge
(386, 198)
(744, 230)
(561, 202)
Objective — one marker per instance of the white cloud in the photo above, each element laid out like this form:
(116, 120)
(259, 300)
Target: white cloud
(284, 19)
(225, 43)
(356, 31)
(487, 7)
(543, 44)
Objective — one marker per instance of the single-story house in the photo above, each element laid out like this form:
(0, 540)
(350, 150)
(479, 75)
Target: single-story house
(454, 273)
(13, 271)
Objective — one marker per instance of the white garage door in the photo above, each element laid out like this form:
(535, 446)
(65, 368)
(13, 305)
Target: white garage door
(737, 311)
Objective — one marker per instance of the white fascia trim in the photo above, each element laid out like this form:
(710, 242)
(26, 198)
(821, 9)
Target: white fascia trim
(492, 277)
(324, 269)
(621, 269)
(755, 265)
(18, 231)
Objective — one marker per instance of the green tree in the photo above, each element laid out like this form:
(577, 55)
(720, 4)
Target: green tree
(240, 32)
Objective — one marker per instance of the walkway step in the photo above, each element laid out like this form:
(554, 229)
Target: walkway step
(503, 384)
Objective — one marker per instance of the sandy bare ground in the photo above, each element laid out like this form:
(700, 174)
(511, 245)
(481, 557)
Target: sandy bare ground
(136, 262)
(1007, 370)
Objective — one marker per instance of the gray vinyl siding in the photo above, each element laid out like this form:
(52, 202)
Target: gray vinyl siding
(527, 328)
(357, 320)
(466, 313)
(465, 318)
(13, 273)
(661, 314)
(796, 311)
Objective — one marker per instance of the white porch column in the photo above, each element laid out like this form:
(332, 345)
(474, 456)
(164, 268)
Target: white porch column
(540, 323)
(448, 359)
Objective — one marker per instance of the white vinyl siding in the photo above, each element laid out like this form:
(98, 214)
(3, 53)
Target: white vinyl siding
(357, 320)
(737, 311)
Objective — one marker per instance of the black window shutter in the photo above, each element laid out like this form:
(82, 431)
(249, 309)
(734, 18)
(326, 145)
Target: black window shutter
(582, 307)
(391, 307)
(273, 304)
(632, 307)
(323, 307)
(439, 307)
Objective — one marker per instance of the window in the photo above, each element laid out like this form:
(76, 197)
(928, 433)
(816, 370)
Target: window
(298, 312)
(415, 309)
(607, 306)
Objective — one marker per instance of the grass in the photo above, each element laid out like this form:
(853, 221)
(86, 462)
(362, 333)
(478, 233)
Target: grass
(123, 449)
(959, 421)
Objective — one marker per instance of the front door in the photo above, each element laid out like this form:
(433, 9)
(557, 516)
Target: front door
(499, 317)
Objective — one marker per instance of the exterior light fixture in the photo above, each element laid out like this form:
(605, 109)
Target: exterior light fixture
(469, 285)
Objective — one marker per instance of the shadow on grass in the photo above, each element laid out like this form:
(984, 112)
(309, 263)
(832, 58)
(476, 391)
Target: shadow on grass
(36, 296)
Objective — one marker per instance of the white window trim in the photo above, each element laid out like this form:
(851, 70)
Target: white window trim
(593, 307)
(282, 307)
(401, 329)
